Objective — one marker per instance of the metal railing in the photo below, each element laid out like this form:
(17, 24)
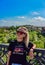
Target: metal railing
(39, 55)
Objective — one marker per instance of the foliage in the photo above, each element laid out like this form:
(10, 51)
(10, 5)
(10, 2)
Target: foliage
(10, 34)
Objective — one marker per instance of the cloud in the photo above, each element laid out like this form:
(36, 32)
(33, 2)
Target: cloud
(39, 18)
(5, 21)
(36, 21)
(21, 17)
(35, 13)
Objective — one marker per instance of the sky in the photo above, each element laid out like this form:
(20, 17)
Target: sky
(22, 12)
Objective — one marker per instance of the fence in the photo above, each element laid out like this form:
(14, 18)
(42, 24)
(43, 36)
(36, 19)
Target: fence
(39, 55)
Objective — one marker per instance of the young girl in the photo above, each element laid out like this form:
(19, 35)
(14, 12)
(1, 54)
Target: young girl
(18, 48)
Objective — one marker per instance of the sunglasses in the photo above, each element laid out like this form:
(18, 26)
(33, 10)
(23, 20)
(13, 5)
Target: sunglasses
(20, 32)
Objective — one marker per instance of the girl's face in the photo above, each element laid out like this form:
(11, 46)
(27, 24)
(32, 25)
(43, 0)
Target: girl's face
(20, 35)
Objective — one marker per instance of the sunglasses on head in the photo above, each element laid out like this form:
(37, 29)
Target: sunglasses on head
(20, 32)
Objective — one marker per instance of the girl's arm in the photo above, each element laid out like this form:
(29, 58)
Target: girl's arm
(34, 46)
(9, 53)
(31, 54)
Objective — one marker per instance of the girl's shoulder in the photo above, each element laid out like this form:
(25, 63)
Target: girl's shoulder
(11, 41)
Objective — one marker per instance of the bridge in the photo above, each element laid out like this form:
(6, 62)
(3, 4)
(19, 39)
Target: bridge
(39, 55)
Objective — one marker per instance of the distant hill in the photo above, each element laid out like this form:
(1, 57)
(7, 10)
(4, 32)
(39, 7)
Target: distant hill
(28, 26)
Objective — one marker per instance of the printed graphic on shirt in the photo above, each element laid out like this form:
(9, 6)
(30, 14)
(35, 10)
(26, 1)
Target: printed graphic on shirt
(18, 50)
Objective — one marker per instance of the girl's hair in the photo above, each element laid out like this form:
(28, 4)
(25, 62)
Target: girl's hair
(26, 38)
